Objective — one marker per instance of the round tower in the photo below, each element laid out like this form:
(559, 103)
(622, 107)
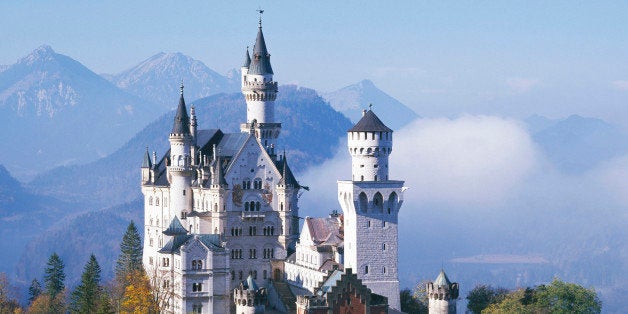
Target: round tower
(370, 144)
(249, 298)
(370, 202)
(180, 166)
(260, 92)
(442, 295)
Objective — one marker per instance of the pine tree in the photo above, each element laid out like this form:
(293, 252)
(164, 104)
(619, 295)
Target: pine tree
(86, 296)
(54, 277)
(130, 258)
(34, 291)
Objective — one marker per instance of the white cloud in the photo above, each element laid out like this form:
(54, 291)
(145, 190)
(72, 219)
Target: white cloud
(520, 85)
(476, 160)
(620, 85)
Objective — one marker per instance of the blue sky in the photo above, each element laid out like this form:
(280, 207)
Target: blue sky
(512, 58)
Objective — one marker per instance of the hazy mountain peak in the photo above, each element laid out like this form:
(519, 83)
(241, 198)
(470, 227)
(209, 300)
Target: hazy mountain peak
(158, 77)
(41, 53)
(352, 99)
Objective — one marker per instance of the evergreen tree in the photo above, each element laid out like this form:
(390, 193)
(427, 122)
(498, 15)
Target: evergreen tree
(54, 277)
(130, 258)
(87, 295)
(34, 291)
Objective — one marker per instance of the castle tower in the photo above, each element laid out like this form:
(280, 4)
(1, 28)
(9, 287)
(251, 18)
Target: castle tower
(260, 92)
(442, 295)
(371, 202)
(287, 198)
(249, 298)
(180, 169)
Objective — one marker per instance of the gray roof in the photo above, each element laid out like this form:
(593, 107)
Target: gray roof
(211, 241)
(247, 59)
(175, 228)
(261, 58)
(370, 123)
(181, 120)
(249, 284)
(331, 281)
(442, 280)
(287, 178)
(231, 143)
(146, 163)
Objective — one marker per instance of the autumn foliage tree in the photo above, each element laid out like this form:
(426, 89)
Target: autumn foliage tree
(138, 296)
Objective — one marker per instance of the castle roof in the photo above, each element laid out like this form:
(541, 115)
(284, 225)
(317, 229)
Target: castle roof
(442, 280)
(370, 123)
(175, 228)
(181, 120)
(211, 241)
(287, 178)
(146, 163)
(260, 63)
(324, 231)
(247, 59)
(249, 284)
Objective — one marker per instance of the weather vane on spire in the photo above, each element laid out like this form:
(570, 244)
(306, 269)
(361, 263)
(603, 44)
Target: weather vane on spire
(260, 11)
(181, 87)
(370, 106)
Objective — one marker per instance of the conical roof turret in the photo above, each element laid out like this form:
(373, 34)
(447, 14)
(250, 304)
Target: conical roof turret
(442, 280)
(175, 228)
(146, 163)
(260, 64)
(287, 178)
(369, 123)
(181, 120)
(247, 59)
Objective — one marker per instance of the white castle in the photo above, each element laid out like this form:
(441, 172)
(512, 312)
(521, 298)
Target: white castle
(222, 215)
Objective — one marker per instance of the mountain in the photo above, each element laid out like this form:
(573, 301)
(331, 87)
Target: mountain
(577, 144)
(55, 111)
(22, 217)
(303, 114)
(352, 99)
(158, 78)
(74, 239)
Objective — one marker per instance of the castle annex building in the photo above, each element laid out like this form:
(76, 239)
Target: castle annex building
(222, 217)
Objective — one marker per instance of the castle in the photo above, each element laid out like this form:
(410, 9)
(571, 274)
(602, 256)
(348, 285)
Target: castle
(222, 216)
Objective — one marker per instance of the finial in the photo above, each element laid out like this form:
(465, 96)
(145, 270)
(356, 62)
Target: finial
(370, 106)
(260, 11)
(181, 87)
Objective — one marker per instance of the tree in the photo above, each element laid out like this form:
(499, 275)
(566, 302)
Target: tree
(8, 303)
(138, 297)
(130, 258)
(54, 277)
(86, 296)
(517, 301)
(34, 291)
(482, 296)
(409, 304)
(44, 304)
(562, 297)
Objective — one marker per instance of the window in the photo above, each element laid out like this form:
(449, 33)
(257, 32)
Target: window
(366, 269)
(257, 184)
(165, 262)
(150, 200)
(384, 246)
(197, 308)
(156, 201)
(384, 270)
(150, 261)
(232, 275)
(265, 274)
(184, 192)
(368, 223)
(197, 287)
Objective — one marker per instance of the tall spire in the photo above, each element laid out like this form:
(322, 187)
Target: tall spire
(181, 120)
(247, 58)
(146, 163)
(261, 58)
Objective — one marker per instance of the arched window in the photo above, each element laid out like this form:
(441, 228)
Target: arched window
(363, 201)
(194, 264)
(393, 202)
(156, 201)
(257, 184)
(258, 205)
(150, 200)
(378, 202)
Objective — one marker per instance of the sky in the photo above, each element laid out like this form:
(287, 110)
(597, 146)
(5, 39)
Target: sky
(441, 58)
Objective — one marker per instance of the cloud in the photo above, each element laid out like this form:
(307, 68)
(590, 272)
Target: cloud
(476, 160)
(621, 85)
(521, 85)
